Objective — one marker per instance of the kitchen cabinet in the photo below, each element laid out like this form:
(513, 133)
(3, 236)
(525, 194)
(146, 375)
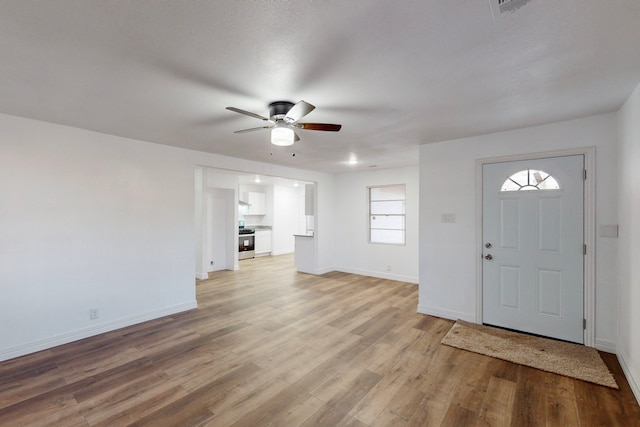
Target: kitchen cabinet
(257, 203)
(263, 242)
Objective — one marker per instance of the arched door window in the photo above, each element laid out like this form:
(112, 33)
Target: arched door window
(530, 179)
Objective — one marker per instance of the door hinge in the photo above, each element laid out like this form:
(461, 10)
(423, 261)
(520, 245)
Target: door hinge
(584, 249)
(584, 323)
(584, 175)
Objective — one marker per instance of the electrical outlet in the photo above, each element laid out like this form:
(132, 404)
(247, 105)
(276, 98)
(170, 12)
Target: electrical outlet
(94, 313)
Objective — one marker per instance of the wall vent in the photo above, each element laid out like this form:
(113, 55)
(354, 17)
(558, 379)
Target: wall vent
(510, 5)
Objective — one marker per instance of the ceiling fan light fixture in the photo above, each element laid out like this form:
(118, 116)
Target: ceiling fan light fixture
(282, 136)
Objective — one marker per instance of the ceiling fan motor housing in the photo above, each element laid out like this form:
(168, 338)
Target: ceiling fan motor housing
(279, 109)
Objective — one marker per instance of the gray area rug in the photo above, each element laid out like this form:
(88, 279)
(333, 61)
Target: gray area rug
(571, 360)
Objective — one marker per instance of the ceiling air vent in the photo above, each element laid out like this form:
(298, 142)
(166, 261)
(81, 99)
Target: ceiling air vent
(510, 5)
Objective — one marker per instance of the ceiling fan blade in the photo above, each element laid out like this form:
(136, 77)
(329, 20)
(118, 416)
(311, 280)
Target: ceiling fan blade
(319, 126)
(247, 113)
(298, 111)
(253, 129)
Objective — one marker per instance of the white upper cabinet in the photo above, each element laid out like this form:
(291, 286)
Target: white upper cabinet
(257, 203)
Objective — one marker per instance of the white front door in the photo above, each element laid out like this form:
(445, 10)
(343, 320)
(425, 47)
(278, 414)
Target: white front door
(533, 246)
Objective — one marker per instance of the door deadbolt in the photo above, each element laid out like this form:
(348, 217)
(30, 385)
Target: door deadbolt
(488, 257)
(488, 245)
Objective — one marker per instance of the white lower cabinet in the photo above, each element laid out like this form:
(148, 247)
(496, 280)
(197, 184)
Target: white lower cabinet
(263, 242)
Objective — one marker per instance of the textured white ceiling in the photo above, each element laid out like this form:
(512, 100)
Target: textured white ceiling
(394, 74)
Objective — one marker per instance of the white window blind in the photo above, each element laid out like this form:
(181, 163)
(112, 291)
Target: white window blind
(387, 214)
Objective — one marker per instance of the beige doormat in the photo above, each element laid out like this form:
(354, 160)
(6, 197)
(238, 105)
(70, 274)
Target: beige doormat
(571, 360)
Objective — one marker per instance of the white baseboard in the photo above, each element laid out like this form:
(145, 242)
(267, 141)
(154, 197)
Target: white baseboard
(324, 270)
(276, 253)
(318, 271)
(202, 276)
(632, 377)
(606, 346)
(55, 341)
(378, 274)
(446, 314)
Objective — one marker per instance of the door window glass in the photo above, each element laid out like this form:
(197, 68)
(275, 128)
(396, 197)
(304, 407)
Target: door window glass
(530, 179)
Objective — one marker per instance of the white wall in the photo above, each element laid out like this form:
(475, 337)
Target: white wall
(200, 212)
(353, 252)
(219, 238)
(447, 185)
(89, 220)
(325, 221)
(286, 202)
(629, 241)
(221, 221)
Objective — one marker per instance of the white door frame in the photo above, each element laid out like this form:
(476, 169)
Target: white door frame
(589, 229)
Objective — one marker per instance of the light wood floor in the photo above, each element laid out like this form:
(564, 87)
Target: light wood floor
(269, 346)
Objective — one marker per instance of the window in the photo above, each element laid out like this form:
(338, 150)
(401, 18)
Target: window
(530, 179)
(387, 214)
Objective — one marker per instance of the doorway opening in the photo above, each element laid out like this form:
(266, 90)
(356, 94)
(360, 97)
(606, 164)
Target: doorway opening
(228, 204)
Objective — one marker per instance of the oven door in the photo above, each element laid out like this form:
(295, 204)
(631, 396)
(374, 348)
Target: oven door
(246, 246)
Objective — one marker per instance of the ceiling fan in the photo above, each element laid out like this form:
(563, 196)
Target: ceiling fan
(283, 121)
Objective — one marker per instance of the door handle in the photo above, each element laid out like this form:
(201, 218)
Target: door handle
(488, 257)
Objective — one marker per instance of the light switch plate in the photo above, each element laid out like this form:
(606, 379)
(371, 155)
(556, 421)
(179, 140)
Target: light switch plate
(448, 217)
(608, 230)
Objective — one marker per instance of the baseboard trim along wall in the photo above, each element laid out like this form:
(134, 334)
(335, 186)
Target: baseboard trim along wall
(319, 271)
(631, 378)
(276, 253)
(93, 330)
(378, 274)
(606, 346)
(446, 314)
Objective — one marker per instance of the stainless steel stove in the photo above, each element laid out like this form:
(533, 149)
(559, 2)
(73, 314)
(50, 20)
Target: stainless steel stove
(246, 243)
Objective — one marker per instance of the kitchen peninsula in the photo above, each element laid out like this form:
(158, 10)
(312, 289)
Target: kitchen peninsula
(305, 252)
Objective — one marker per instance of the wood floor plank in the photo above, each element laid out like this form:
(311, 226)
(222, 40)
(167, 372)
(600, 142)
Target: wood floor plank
(138, 397)
(342, 402)
(457, 416)
(127, 412)
(401, 408)
(228, 412)
(530, 403)
(497, 405)
(270, 346)
(38, 410)
(561, 402)
(281, 409)
(18, 390)
(193, 408)
(385, 390)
